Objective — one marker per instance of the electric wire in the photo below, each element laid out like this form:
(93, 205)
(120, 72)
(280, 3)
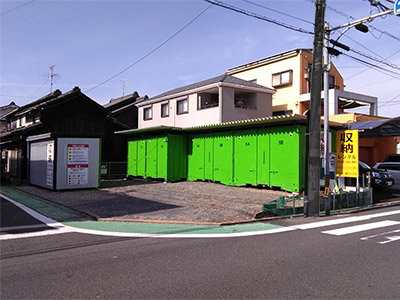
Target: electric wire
(17, 7)
(378, 68)
(370, 66)
(389, 101)
(279, 12)
(151, 52)
(257, 16)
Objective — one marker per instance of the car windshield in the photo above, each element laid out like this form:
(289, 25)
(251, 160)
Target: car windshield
(364, 165)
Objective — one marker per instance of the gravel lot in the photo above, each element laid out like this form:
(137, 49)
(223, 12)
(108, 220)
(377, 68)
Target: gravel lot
(180, 202)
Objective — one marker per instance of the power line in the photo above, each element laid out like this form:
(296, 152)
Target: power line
(391, 100)
(279, 12)
(151, 52)
(257, 16)
(378, 68)
(370, 66)
(15, 8)
(343, 14)
(375, 59)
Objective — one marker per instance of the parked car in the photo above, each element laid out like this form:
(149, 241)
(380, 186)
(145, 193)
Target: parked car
(392, 158)
(393, 168)
(379, 178)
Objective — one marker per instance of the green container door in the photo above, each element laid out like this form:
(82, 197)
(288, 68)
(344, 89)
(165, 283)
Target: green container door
(223, 157)
(245, 162)
(162, 157)
(141, 158)
(177, 157)
(132, 158)
(151, 158)
(263, 156)
(284, 164)
(209, 157)
(196, 157)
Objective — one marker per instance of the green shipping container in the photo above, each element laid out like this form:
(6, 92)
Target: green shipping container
(158, 157)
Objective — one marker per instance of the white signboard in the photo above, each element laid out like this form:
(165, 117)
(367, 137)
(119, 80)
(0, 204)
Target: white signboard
(78, 164)
(77, 174)
(50, 164)
(78, 154)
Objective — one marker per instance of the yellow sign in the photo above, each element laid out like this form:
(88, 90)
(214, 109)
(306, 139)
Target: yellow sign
(347, 153)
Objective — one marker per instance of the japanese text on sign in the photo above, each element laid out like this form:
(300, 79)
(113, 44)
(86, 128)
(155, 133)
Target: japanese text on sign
(347, 153)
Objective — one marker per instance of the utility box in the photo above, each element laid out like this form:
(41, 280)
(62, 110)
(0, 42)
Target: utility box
(63, 163)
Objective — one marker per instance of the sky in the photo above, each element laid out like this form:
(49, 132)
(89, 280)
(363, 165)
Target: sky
(108, 48)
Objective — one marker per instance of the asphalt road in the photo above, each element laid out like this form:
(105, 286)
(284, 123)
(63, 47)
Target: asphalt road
(313, 261)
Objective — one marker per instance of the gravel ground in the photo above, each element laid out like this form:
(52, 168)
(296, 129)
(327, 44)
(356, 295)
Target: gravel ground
(140, 200)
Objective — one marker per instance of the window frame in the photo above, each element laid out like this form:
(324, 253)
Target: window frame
(280, 78)
(151, 113)
(161, 106)
(187, 106)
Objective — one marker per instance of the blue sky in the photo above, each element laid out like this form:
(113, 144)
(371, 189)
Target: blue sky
(91, 41)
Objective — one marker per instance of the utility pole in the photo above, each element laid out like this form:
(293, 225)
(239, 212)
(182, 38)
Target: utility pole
(326, 116)
(314, 163)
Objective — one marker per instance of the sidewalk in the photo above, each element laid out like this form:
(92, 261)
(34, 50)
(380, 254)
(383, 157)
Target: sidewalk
(197, 203)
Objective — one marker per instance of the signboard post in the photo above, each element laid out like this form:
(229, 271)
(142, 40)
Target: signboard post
(347, 153)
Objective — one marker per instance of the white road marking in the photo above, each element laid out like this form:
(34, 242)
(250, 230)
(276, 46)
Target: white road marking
(384, 237)
(344, 220)
(34, 234)
(61, 228)
(360, 228)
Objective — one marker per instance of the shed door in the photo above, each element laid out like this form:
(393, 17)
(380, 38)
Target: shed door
(263, 157)
(151, 161)
(245, 164)
(141, 160)
(223, 157)
(162, 157)
(284, 170)
(196, 159)
(209, 157)
(132, 158)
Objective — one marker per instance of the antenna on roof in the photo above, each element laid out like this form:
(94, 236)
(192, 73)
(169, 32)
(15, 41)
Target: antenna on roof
(123, 86)
(51, 76)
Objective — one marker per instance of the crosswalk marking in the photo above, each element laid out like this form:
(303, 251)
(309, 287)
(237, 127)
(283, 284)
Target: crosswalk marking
(344, 220)
(384, 237)
(360, 228)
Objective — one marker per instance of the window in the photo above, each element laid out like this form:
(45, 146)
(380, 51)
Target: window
(281, 79)
(182, 107)
(245, 100)
(207, 100)
(147, 113)
(164, 110)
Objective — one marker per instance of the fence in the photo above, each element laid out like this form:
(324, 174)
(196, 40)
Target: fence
(338, 202)
(113, 170)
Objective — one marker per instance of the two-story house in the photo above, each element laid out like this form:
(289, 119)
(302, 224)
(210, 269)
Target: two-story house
(213, 101)
(289, 73)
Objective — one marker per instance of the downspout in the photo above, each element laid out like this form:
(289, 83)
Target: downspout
(220, 91)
